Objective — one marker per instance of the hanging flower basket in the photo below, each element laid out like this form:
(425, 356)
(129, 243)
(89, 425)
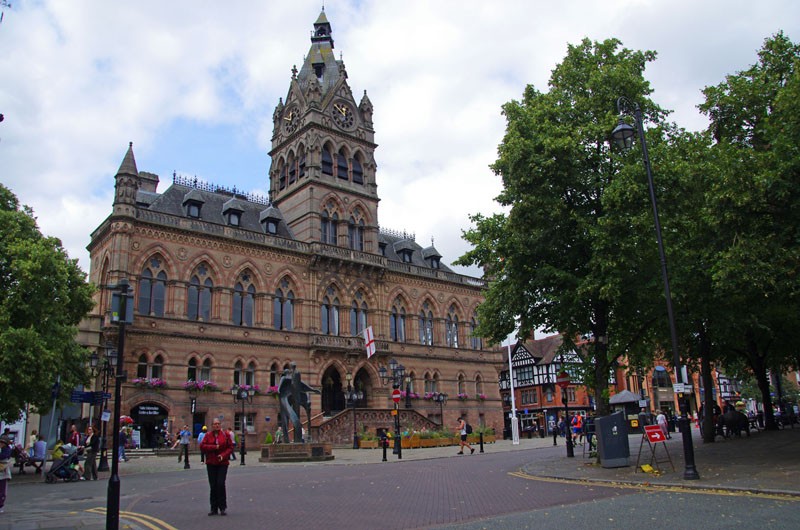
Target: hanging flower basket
(463, 396)
(144, 382)
(411, 395)
(200, 386)
(482, 397)
(272, 390)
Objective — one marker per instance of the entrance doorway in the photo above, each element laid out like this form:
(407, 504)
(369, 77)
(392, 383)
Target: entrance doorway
(151, 419)
(332, 394)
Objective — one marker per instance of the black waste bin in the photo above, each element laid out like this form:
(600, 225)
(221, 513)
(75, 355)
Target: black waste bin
(612, 440)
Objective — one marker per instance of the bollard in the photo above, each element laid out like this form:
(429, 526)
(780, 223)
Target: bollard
(384, 443)
(481, 435)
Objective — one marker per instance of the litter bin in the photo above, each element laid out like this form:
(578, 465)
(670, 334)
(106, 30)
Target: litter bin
(612, 440)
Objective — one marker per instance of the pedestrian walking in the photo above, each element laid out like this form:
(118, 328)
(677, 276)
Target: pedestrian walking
(90, 448)
(184, 438)
(5, 468)
(123, 441)
(661, 419)
(233, 443)
(462, 428)
(217, 447)
(34, 437)
(577, 428)
(554, 430)
(199, 441)
(74, 437)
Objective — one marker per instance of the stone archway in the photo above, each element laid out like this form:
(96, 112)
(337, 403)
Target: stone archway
(332, 395)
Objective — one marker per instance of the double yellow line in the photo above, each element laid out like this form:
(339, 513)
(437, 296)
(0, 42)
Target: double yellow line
(140, 518)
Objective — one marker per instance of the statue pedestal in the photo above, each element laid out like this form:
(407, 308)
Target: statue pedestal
(311, 452)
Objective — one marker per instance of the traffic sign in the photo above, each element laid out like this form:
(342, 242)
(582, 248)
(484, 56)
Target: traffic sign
(396, 395)
(563, 380)
(654, 433)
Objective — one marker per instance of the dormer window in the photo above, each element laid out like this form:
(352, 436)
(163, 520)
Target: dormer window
(193, 202)
(382, 247)
(193, 209)
(435, 263)
(232, 211)
(406, 255)
(271, 226)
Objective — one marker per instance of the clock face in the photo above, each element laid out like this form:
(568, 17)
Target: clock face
(343, 115)
(290, 120)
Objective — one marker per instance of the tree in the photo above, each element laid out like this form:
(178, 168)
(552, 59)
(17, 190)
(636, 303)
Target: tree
(44, 296)
(753, 209)
(556, 260)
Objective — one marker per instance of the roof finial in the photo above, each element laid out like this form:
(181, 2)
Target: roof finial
(431, 240)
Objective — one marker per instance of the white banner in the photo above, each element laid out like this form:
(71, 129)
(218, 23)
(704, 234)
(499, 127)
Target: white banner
(369, 342)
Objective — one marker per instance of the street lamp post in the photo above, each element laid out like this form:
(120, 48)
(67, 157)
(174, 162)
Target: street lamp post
(106, 370)
(623, 136)
(408, 391)
(396, 377)
(441, 399)
(122, 314)
(353, 397)
(244, 395)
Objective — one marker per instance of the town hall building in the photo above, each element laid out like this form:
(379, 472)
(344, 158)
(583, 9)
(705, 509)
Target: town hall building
(230, 289)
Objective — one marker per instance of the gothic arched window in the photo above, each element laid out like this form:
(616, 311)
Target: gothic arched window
(358, 315)
(451, 327)
(198, 296)
(477, 342)
(358, 173)
(244, 293)
(238, 373)
(341, 165)
(327, 162)
(191, 373)
(397, 322)
(283, 307)
(355, 234)
(141, 367)
(205, 371)
(426, 325)
(152, 289)
(329, 313)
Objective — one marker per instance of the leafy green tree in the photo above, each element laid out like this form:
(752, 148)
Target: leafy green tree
(753, 208)
(559, 259)
(44, 296)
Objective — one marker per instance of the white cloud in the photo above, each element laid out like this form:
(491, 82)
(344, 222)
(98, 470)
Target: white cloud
(82, 79)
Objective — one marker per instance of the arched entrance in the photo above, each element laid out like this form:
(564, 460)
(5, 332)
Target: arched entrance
(362, 382)
(150, 419)
(332, 394)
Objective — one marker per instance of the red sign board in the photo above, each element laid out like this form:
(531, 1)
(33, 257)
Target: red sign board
(563, 380)
(654, 433)
(396, 395)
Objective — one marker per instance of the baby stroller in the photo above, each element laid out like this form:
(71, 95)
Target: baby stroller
(64, 469)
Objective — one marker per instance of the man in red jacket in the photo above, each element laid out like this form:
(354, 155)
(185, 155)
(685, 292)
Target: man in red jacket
(217, 448)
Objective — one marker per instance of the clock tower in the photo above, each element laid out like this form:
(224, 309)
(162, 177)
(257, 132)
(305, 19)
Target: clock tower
(322, 176)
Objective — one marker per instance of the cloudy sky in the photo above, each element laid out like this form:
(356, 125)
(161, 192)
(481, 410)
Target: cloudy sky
(193, 85)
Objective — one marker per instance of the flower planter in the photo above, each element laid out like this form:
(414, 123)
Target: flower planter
(429, 442)
(368, 444)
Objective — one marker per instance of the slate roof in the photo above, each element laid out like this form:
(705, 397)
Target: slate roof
(172, 202)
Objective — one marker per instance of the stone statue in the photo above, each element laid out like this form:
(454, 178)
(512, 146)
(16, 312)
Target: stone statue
(293, 394)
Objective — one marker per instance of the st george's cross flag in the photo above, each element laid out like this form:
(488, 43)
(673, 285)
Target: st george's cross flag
(369, 342)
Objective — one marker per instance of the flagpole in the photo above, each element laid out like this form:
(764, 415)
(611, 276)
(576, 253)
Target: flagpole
(514, 424)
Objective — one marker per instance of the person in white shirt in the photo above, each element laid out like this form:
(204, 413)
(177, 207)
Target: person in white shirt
(661, 419)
